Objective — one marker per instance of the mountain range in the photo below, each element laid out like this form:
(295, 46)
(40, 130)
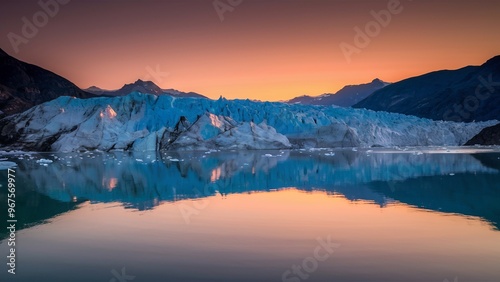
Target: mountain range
(40, 119)
(345, 97)
(24, 85)
(146, 87)
(468, 94)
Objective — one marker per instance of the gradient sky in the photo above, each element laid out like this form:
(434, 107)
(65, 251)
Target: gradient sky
(267, 50)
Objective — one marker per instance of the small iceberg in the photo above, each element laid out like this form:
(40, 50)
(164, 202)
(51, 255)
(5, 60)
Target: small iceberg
(4, 165)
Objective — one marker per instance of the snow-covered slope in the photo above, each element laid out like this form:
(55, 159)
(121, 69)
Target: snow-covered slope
(148, 122)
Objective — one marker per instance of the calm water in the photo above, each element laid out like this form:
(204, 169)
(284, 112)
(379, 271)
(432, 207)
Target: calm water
(324, 215)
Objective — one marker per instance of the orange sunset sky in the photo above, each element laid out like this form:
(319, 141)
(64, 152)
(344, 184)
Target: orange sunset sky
(267, 50)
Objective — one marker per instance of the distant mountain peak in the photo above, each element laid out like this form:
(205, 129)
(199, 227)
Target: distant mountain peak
(142, 86)
(147, 82)
(345, 97)
(141, 82)
(443, 94)
(96, 90)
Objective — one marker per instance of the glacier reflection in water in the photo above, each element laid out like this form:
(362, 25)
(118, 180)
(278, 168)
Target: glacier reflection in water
(144, 180)
(455, 182)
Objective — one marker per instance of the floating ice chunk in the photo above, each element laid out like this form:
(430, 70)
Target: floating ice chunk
(44, 161)
(268, 155)
(139, 160)
(174, 160)
(6, 165)
(330, 154)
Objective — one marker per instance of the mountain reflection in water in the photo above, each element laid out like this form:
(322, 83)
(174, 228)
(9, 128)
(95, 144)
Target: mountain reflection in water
(437, 180)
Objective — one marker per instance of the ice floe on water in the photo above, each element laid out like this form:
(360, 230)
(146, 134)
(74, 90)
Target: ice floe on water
(6, 165)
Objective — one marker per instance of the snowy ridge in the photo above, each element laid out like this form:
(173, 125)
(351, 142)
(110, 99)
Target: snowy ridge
(147, 122)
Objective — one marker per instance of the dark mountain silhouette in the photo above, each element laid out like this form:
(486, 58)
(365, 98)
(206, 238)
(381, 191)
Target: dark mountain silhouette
(146, 87)
(488, 136)
(24, 85)
(468, 94)
(345, 97)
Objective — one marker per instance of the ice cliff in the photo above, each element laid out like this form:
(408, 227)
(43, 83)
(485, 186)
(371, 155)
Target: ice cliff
(148, 122)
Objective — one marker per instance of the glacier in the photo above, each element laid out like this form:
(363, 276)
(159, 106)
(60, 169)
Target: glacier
(143, 122)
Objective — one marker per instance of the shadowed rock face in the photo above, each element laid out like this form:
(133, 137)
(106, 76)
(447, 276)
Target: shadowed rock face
(487, 136)
(23, 86)
(210, 131)
(468, 94)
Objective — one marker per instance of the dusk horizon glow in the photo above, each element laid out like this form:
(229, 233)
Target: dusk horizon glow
(263, 50)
